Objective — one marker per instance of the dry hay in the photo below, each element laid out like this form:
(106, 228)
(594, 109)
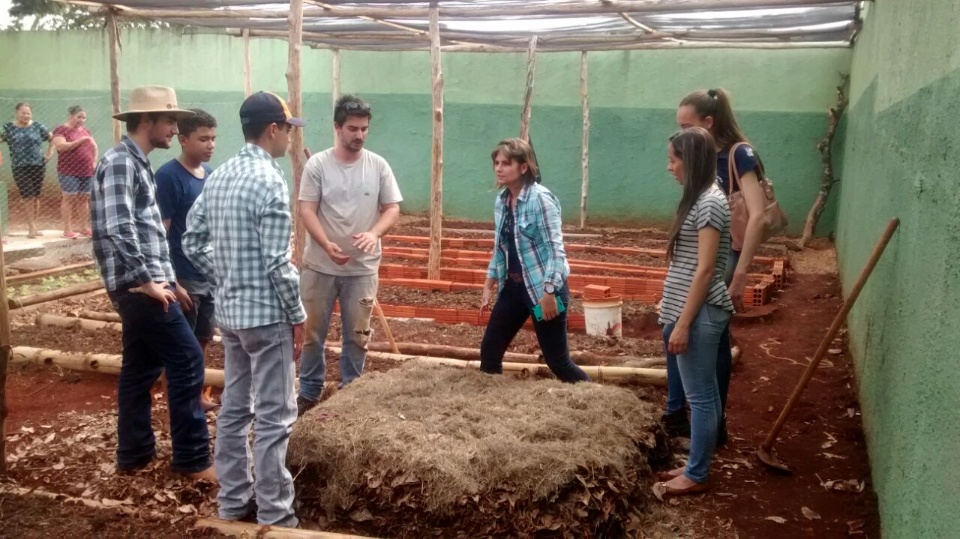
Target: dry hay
(424, 450)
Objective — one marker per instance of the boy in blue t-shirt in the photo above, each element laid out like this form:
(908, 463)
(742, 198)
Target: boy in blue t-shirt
(179, 183)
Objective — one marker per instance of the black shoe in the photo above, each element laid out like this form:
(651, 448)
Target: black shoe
(251, 516)
(304, 404)
(676, 424)
(722, 432)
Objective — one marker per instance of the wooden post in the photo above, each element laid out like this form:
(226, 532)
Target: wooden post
(5, 348)
(528, 92)
(585, 143)
(295, 102)
(436, 174)
(335, 87)
(113, 32)
(247, 74)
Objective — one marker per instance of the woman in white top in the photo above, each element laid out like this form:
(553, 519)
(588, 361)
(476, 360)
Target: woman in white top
(696, 305)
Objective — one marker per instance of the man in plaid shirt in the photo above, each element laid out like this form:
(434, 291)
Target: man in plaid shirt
(130, 246)
(238, 235)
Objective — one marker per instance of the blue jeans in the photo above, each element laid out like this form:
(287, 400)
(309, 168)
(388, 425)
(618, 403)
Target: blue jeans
(259, 374)
(697, 368)
(320, 292)
(509, 314)
(675, 396)
(153, 342)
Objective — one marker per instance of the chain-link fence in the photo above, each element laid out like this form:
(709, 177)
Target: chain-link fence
(49, 148)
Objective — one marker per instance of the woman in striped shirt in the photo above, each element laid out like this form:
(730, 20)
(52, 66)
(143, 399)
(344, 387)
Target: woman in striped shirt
(529, 265)
(696, 305)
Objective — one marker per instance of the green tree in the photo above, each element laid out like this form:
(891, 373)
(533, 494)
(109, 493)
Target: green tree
(51, 15)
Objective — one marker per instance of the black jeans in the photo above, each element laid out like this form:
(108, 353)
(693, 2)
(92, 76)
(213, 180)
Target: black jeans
(155, 341)
(508, 316)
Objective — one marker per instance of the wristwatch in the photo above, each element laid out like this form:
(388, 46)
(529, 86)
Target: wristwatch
(549, 289)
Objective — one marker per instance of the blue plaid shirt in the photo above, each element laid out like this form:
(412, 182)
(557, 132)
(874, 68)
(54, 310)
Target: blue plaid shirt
(129, 240)
(238, 235)
(538, 237)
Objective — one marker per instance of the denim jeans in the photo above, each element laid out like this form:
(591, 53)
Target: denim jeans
(675, 396)
(153, 342)
(259, 374)
(509, 313)
(320, 292)
(697, 369)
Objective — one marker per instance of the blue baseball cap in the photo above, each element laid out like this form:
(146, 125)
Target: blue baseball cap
(265, 108)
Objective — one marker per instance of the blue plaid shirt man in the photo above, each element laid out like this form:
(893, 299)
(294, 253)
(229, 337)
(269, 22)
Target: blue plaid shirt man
(129, 240)
(238, 235)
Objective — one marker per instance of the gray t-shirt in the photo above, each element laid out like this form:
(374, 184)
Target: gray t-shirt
(711, 210)
(350, 196)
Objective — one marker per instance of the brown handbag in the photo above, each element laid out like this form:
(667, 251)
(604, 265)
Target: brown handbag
(774, 219)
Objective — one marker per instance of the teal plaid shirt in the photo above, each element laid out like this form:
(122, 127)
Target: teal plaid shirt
(238, 235)
(539, 237)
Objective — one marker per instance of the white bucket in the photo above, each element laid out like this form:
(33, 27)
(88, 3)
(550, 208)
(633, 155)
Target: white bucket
(604, 318)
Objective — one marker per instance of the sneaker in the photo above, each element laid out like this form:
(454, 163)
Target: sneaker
(676, 424)
(304, 404)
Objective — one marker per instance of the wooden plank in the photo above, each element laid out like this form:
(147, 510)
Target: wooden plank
(585, 141)
(295, 102)
(436, 173)
(528, 90)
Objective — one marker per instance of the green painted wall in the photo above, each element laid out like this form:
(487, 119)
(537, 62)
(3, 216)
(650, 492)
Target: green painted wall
(780, 97)
(902, 158)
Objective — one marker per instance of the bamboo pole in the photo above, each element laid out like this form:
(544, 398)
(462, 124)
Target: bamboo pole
(436, 173)
(401, 11)
(295, 101)
(100, 316)
(656, 377)
(113, 33)
(79, 298)
(60, 293)
(24, 277)
(5, 347)
(235, 528)
(102, 363)
(473, 354)
(335, 86)
(585, 140)
(528, 91)
(86, 324)
(110, 364)
(247, 72)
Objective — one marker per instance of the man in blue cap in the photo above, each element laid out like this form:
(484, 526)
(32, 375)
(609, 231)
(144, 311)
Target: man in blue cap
(238, 235)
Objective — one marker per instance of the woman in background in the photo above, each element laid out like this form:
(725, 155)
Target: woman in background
(25, 138)
(77, 157)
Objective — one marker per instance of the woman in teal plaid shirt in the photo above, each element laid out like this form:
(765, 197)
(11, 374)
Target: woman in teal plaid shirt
(529, 265)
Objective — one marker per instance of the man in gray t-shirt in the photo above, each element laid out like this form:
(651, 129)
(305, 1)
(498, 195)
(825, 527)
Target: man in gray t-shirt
(348, 200)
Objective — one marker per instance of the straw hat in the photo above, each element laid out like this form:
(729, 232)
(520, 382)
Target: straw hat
(146, 99)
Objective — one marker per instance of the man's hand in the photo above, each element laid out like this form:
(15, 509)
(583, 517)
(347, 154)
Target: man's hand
(297, 341)
(485, 298)
(157, 291)
(548, 303)
(186, 302)
(336, 253)
(366, 242)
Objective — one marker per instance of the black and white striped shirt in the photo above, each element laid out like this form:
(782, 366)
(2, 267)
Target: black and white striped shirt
(711, 210)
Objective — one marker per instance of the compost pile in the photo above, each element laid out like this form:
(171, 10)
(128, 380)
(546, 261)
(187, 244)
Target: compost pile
(439, 451)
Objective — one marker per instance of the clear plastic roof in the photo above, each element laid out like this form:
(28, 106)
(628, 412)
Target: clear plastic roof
(495, 25)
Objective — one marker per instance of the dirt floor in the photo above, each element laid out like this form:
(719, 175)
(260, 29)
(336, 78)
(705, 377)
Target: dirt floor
(829, 495)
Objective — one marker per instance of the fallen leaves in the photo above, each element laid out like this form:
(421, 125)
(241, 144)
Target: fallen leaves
(809, 513)
(778, 520)
(831, 441)
(848, 485)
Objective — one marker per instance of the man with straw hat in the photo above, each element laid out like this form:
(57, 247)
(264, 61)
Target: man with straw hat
(238, 235)
(130, 246)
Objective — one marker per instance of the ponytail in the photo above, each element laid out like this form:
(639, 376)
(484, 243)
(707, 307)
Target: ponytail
(716, 103)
